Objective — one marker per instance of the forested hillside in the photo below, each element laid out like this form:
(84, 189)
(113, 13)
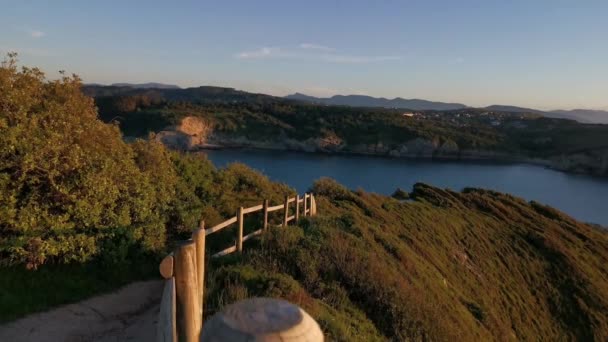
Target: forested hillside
(234, 118)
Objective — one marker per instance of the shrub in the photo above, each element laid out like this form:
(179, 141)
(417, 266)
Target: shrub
(66, 178)
(400, 194)
(331, 189)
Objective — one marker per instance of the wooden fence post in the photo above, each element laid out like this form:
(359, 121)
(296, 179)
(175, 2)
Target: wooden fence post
(239, 237)
(166, 330)
(186, 289)
(199, 240)
(265, 224)
(286, 211)
(305, 203)
(297, 207)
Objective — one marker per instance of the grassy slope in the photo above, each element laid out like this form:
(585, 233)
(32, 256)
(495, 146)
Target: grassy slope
(476, 265)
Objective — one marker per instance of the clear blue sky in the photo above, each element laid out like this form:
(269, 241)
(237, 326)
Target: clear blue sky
(538, 53)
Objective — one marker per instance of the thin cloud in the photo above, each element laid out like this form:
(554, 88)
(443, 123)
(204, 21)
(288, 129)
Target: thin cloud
(318, 47)
(262, 53)
(36, 34)
(347, 59)
(312, 52)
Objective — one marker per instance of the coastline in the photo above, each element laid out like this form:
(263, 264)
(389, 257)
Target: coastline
(193, 135)
(498, 158)
(579, 195)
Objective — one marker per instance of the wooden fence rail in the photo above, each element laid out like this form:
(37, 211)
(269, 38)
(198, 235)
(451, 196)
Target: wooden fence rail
(181, 310)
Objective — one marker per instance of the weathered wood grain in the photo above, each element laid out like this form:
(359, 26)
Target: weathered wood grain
(226, 251)
(221, 226)
(166, 267)
(166, 330)
(199, 239)
(253, 209)
(186, 289)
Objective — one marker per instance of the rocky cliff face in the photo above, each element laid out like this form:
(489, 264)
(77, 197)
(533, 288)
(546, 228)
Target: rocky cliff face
(590, 162)
(190, 134)
(194, 133)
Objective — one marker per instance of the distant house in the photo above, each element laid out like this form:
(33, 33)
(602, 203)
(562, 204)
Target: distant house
(495, 123)
(408, 114)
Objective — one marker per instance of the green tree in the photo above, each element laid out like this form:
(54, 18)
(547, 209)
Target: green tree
(68, 182)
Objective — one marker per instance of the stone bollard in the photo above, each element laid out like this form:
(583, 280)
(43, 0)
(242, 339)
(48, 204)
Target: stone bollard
(261, 319)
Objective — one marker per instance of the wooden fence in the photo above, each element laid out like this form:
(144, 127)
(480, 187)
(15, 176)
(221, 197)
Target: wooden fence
(181, 309)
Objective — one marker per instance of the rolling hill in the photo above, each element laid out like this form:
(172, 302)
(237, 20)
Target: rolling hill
(150, 85)
(213, 94)
(580, 115)
(369, 101)
(242, 119)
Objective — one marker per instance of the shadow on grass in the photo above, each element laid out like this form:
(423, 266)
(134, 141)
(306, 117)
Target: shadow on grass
(23, 291)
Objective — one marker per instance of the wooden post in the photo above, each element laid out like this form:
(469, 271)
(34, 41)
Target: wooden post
(165, 328)
(186, 289)
(199, 240)
(239, 237)
(297, 207)
(305, 204)
(265, 224)
(286, 211)
(166, 267)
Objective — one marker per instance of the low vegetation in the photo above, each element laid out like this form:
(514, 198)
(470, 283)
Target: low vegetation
(446, 266)
(72, 192)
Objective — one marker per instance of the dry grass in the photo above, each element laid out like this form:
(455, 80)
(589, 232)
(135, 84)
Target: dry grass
(476, 265)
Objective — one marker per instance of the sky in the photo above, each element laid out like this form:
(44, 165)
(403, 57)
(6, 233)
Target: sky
(544, 54)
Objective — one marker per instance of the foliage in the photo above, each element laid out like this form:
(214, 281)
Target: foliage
(67, 179)
(71, 190)
(400, 194)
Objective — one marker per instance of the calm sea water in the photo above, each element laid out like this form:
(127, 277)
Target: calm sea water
(583, 197)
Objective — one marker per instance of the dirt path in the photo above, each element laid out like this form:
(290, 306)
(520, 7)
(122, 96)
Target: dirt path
(128, 314)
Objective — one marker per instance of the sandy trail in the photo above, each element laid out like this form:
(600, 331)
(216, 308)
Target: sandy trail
(129, 314)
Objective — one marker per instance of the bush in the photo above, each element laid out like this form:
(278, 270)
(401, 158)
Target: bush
(71, 189)
(67, 180)
(331, 189)
(400, 194)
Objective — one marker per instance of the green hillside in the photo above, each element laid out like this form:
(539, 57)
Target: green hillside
(445, 266)
(84, 212)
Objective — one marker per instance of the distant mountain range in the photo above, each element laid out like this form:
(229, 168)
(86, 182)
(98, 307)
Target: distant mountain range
(198, 95)
(581, 115)
(368, 101)
(211, 94)
(149, 85)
